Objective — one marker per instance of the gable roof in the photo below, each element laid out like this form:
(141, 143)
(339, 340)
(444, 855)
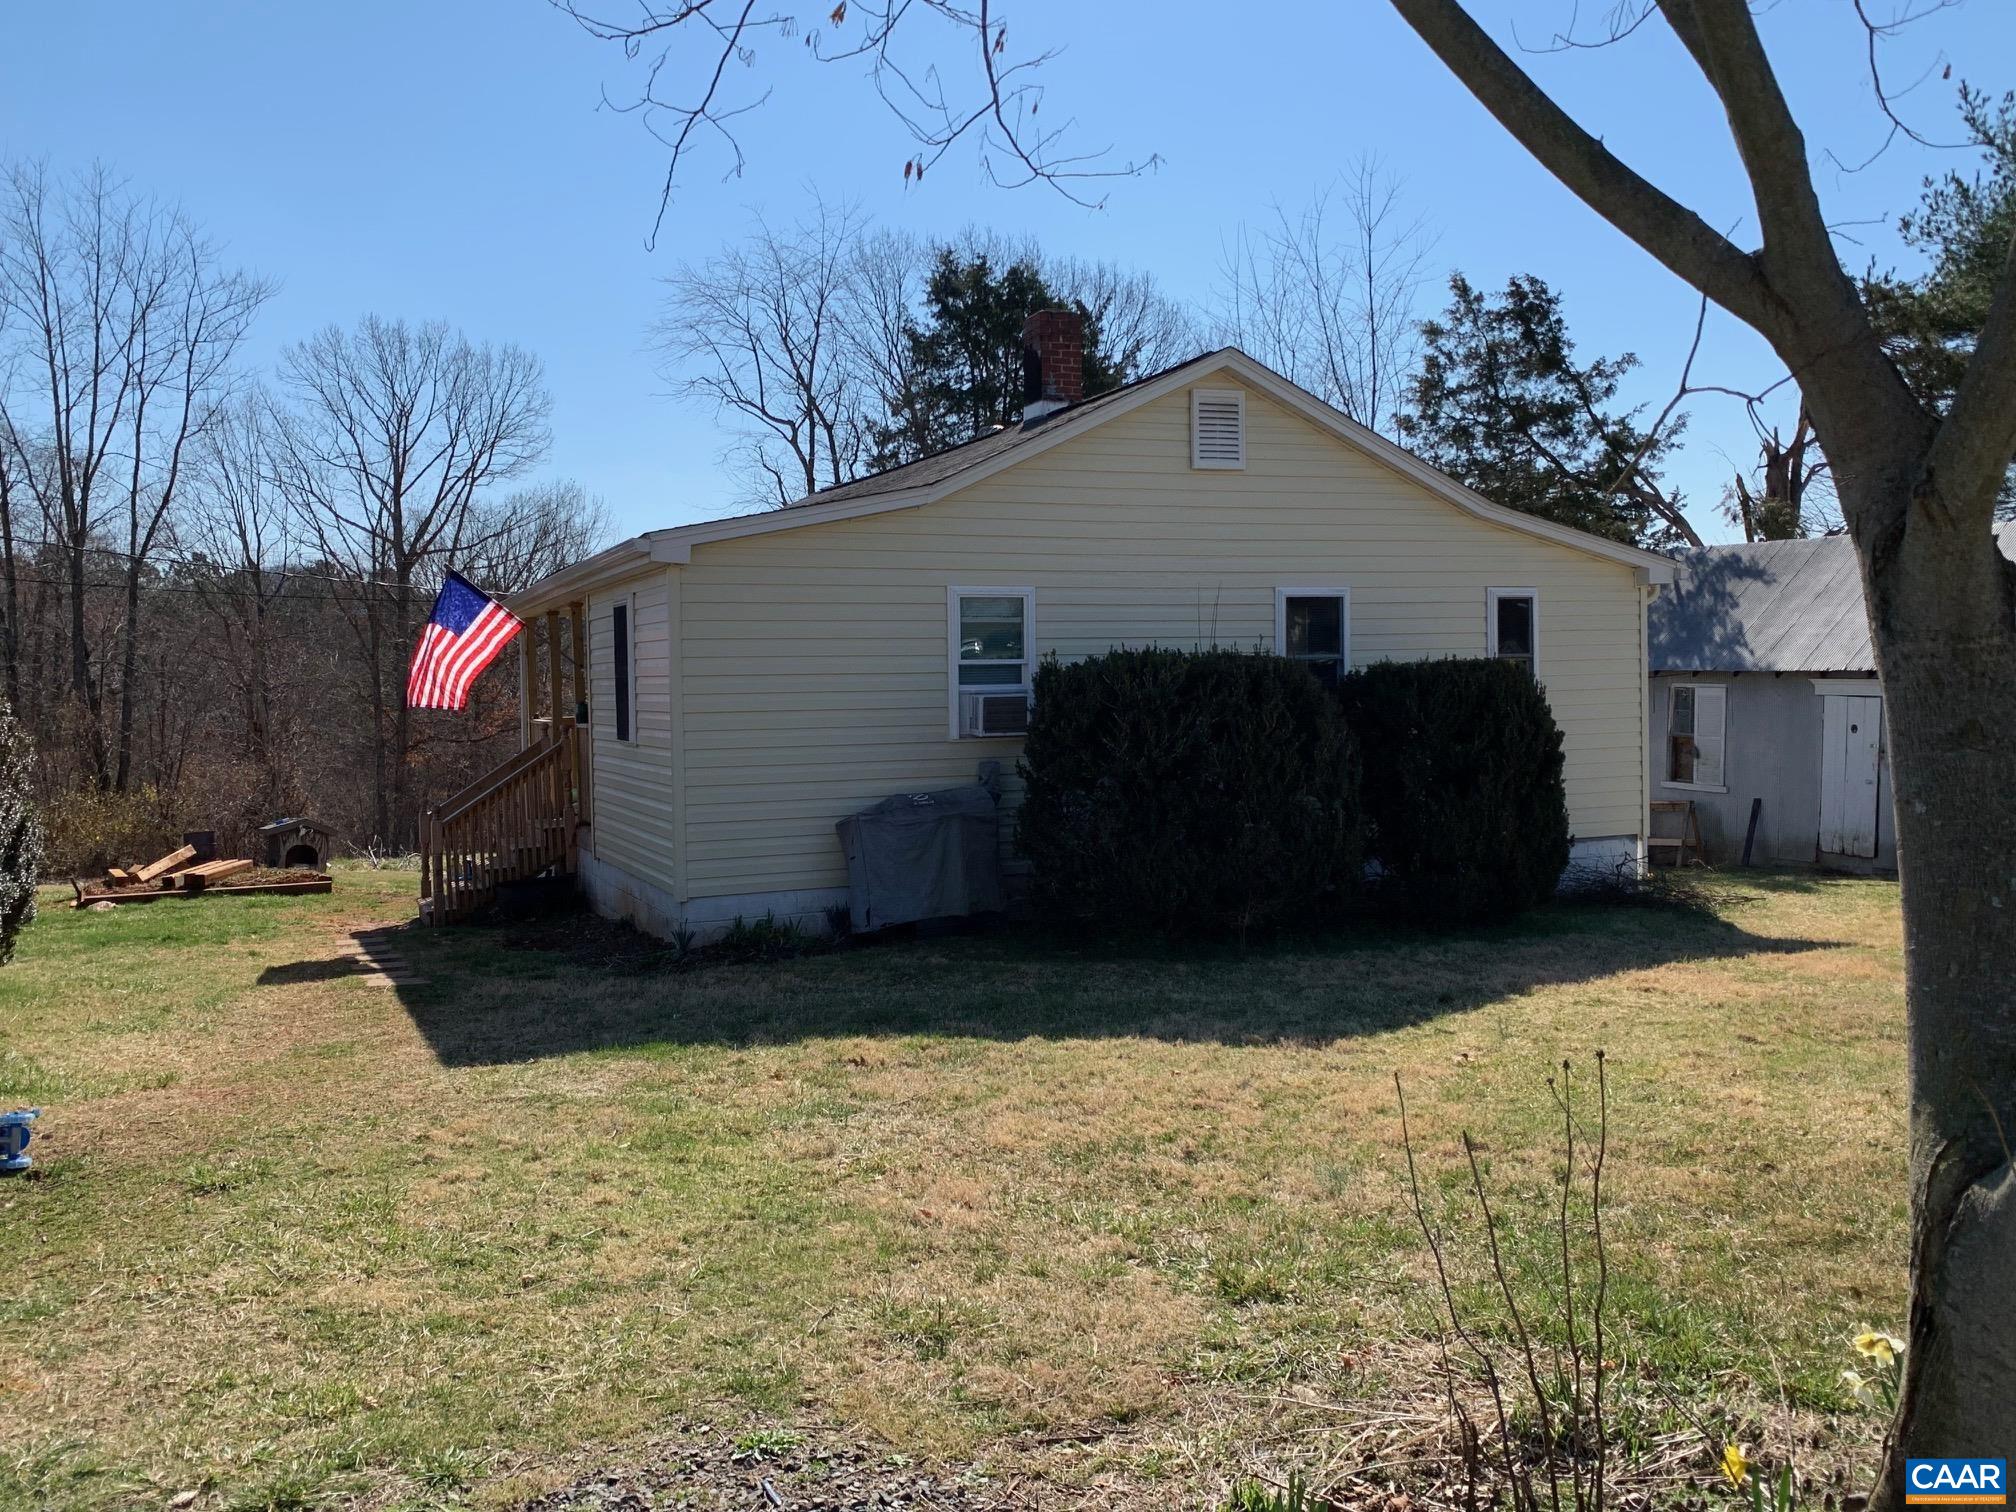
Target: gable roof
(941, 467)
(922, 482)
(1769, 606)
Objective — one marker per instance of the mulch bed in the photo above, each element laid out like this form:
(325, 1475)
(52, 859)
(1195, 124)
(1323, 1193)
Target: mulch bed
(709, 1474)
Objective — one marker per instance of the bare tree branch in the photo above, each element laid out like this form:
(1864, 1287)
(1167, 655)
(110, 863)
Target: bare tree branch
(1798, 252)
(1337, 312)
(998, 111)
(1672, 233)
(760, 332)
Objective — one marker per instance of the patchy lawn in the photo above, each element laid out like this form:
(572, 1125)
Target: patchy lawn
(1109, 1218)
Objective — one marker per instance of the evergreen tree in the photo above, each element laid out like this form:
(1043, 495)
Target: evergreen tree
(967, 355)
(1963, 225)
(1500, 404)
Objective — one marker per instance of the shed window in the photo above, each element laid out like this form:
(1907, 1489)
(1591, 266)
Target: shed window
(619, 644)
(1697, 719)
(1513, 626)
(1313, 626)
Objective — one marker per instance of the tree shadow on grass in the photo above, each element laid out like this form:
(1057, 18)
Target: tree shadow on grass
(488, 999)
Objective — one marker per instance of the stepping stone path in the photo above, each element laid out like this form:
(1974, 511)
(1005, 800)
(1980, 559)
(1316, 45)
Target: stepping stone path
(376, 952)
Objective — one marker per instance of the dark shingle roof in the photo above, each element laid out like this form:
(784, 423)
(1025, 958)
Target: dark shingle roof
(1769, 606)
(940, 466)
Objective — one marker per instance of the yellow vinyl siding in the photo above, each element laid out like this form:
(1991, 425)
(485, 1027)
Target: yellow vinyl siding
(814, 660)
(634, 823)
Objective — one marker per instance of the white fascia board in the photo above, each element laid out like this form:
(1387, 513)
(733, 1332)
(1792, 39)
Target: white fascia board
(559, 589)
(676, 545)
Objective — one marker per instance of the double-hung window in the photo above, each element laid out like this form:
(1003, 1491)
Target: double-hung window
(992, 658)
(1512, 626)
(1313, 626)
(1697, 721)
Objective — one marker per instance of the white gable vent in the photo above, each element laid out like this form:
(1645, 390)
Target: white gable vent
(1217, 427)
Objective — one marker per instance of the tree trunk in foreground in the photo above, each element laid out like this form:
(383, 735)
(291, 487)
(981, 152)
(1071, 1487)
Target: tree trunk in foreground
(1944, 615)
(1918, 490)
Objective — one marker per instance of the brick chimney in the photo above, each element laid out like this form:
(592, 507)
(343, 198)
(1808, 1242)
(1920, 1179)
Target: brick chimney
(1053, 362)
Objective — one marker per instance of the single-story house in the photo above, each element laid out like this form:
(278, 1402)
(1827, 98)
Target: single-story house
(1764, 696)
(755, 679)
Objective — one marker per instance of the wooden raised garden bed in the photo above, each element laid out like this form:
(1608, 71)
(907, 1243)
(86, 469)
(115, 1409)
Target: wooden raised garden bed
(215, 879)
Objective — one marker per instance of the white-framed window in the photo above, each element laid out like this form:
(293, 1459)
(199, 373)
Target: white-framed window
(991, 657)
(1512, 626)
(1697, 728)
(1217, 427)
(1312, 625)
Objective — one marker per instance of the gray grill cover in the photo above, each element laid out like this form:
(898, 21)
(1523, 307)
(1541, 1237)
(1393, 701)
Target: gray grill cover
(922, 856)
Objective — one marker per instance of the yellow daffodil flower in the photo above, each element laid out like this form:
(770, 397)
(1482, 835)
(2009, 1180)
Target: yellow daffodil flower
(1879, 1346)
(1863, 1391)
(1735, 1463)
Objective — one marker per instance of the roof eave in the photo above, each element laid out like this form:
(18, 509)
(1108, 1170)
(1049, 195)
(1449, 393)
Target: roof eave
(676, 545)
(573, 583)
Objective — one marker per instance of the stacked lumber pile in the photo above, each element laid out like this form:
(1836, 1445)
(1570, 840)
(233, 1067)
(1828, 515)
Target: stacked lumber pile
(182, 872)
(164, 869)
(196, 878)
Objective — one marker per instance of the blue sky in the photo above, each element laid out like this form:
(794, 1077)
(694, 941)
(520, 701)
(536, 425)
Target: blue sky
(446, 159)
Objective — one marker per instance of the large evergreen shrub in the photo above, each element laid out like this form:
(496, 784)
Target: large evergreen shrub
(20, 834)
(1197, 792)
(1465, 807)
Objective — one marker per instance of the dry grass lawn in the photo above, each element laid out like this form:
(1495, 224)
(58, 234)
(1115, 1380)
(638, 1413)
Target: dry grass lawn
(1110, 1217)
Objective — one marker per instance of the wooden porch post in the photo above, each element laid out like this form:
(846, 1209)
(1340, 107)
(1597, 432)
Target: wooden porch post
(584, 746)
(558, 688)
(562, 730)
(527, 678)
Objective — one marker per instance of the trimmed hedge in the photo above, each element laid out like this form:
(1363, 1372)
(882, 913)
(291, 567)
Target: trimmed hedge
(1465, 806)
(1199, 792)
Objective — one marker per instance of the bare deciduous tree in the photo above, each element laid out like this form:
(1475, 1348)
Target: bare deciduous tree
(393, 435)
(125, 324)
(761, 332)
(244, 538)
(1791, 494)
(882, 304)
(1141, 330)
(809, 337)
(532, 532)
(1330, 297)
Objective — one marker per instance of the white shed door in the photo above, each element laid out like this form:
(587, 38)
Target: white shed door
(1851, 734)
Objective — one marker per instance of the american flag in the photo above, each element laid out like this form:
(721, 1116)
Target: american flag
(463, 636)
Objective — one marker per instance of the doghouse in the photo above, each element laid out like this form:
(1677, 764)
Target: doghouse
(297, 842)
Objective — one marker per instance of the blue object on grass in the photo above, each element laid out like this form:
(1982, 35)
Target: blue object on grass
(14, 1137)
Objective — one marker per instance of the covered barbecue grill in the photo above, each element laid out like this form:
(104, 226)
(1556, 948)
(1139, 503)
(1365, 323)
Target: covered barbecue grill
(923, 856)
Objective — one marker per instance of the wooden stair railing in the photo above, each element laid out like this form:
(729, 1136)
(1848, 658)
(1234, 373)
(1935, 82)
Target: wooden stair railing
(514, 822)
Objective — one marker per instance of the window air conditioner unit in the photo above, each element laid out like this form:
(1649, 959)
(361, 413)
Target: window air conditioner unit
(1004, 712)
